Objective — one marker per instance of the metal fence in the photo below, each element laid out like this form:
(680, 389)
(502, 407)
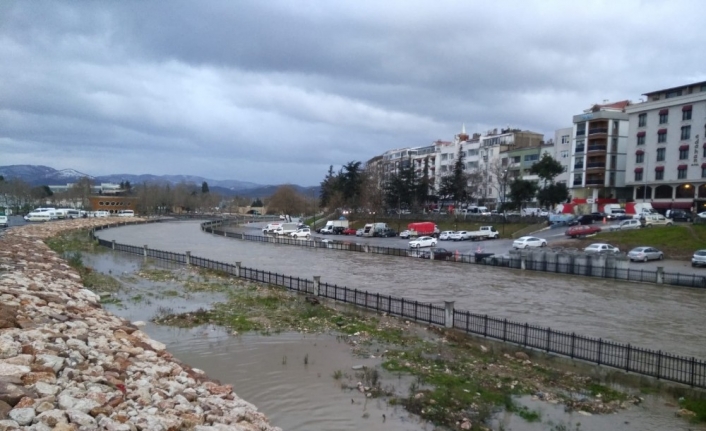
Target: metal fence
(658, 364)
(626, 274)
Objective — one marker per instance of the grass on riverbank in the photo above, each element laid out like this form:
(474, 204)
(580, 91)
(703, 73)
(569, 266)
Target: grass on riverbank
(677, 242)
(457, 380)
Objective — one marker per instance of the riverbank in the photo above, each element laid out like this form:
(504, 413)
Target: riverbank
(68, 364)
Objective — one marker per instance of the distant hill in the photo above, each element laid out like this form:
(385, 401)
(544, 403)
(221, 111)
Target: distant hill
(38, 175)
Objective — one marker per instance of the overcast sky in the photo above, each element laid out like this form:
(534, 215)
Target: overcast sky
(276, 91)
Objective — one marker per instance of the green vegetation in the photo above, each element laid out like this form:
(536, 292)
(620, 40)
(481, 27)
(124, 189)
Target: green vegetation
(677, 242)
(73, 241)
(697, 406)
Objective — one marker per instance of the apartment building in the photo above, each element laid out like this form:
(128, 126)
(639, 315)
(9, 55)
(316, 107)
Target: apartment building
(666, 161)
(561, 151)
(598, 155)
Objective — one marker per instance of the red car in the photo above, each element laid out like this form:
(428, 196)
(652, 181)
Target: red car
(349, 231)
(582, 230)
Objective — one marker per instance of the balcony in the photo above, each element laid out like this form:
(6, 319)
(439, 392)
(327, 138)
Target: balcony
(595, 181)
(598, 130)
(594, 165)
(596, 148)
(578, 166)
(577, 183)
(579, 149)
(580, 132)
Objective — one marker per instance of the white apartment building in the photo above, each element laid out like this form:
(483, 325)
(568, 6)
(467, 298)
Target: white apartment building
(598, 155)
(561, 151)
(666, 161)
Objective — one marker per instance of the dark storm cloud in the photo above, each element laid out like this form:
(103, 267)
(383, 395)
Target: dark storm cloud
(276, 91)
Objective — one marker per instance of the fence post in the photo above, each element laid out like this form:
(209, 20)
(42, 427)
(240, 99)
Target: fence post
(523, 262)
(660, 275)
(113, 244)
(627, 360)
(431, 255)
(145, 250)
(317, 284)
(659, 364)
(188, 258)
(237, 269)
(449, 314)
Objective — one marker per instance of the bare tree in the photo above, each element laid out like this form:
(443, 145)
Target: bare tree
(286, 200)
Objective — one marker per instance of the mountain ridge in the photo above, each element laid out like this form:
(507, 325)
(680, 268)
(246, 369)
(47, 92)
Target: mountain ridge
(39, 175)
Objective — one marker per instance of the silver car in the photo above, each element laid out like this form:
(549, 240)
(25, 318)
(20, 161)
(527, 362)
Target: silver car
(461, 235)
(643, 254)
(699, 258)
(601, 248)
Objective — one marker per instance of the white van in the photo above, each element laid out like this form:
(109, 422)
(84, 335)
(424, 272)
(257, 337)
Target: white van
(99, 214)
(41, 214)
(126, 213)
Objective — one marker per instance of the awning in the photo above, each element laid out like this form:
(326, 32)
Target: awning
(703, 165)
(664, 111)
(686, 108)
(683, 147)
(641, 134)
(638, 170)
(640, 152)
(662, 131)
(659, 168)
(683, 167)
(672, 205)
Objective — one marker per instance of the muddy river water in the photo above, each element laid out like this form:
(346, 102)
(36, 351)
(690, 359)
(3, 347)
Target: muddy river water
(298, 394)
(664, 318)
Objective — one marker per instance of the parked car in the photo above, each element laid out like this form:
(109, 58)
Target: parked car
(655, 220)
(349, 231)
(699, 258)
(597, 216)
(386, 233)
(581, 231)
(680, 215)
(582, 219)
(701, 214)
(423, 241)
(628, 224)
(601, 248)
(301, 233)
(3, 220)
(461, 235)
(405, 234)
(439, 254)
(528, 241)
(445, 235)
(644, 254)
(359, 232)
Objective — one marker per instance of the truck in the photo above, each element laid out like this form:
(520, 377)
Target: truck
(424, 228)
(271, 227)
(334, 227)
(485, 232)
(286, 228)
(374, 229)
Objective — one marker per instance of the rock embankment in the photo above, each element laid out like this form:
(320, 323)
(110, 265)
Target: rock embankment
(68, 364)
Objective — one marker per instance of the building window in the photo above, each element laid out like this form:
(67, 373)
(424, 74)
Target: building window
(703, 172)
(663, 117)
(639, 158)
(686, 132)
(660, 154)
(444, 157)
(565, 154)
(642, 120)
(659, 175)
(565, 139)
(686, 115)
(683, 154)
(640, 140)
(638, 176)
(674, 93)
(580, 129)
(531, 157)
(681, 174)
(662, 138)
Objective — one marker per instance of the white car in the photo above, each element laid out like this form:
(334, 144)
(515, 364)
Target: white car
(461, 235)
(601, 248)
(446, 235)
(359, 232)
(405, 234)
(528, 241)
(701, 215)
(423, 241)
(301, 233)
